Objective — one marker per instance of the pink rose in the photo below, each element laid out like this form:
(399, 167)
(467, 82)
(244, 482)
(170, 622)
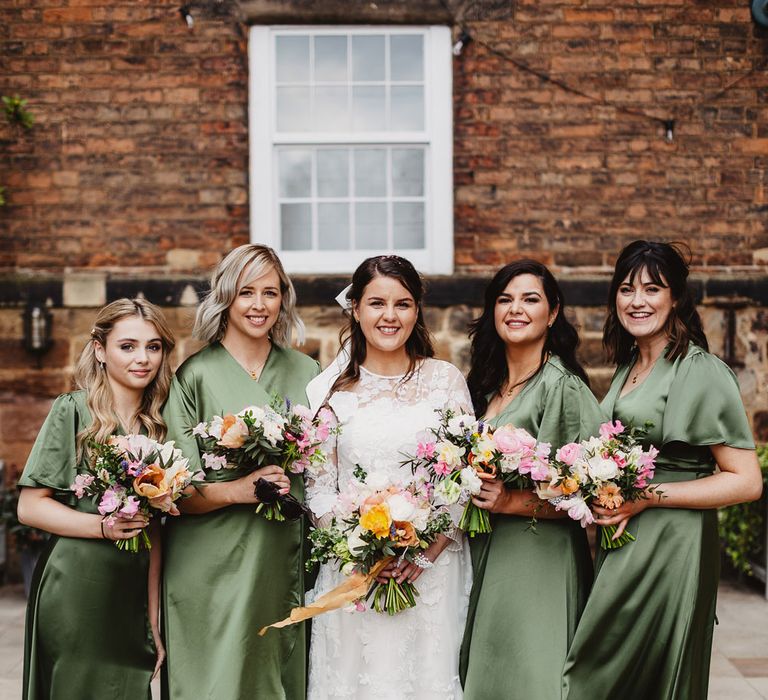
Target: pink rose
(111, 499)
(511, 440)
(569, 453)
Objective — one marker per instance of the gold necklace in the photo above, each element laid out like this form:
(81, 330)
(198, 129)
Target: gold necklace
(256, 371)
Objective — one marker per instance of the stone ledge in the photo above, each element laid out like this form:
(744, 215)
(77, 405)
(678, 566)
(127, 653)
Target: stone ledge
(442, 291)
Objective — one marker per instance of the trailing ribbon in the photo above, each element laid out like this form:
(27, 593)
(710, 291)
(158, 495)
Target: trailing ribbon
(356, 586)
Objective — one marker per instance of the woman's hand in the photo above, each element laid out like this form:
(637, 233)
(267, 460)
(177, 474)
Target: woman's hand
(242, 490)
(494, 496)
(619, 516)
(123, 528)
(408, 571)
(160, 657)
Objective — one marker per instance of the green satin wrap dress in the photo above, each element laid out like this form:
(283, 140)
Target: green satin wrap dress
(87, 631)
(647, 629)
(230, 572)
(530, 588)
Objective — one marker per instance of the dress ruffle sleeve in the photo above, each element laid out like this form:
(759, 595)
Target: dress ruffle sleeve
(704, 406)
(180, 415)
(570, 413)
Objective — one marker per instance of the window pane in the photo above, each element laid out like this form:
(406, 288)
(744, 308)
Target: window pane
(296, 226)
(371, 172)
(368, 57)
(295, 169)
(408, 172)
(407, 108)
(293, 111)
(331, 59)
(332, 172)
(368, 109)
(408, 225)
(333, 226)
(370, 225)
(406, 57)
(331, 109)
(292, 59)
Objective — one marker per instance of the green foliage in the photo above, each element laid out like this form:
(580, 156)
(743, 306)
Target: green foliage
(26, 536)
(742, 527)
(17, 113)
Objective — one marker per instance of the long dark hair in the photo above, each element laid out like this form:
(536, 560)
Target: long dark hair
(666, 267)
(488, 370)
(419, 343)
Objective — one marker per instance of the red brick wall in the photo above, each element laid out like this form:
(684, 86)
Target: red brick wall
(139, 154)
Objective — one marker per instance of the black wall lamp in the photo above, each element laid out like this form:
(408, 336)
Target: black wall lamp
(38, 322)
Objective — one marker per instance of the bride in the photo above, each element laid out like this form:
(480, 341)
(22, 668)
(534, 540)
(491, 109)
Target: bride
(383, 393)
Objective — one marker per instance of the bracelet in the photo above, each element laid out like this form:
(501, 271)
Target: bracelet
(103, 534)
(558, 499)
(422, 562)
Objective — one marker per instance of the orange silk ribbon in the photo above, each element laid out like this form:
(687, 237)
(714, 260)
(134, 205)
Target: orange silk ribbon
(356, 586)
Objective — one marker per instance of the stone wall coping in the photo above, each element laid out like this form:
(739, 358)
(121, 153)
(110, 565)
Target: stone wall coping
(74, 291)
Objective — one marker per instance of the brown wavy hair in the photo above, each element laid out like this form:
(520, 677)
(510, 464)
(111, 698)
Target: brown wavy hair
(419, 343)
(90, 376)
(667, 267)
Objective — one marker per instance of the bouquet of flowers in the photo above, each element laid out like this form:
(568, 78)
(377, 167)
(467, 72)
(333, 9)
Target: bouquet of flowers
(374, 522)
(131, 474)
(606, 470)
(462, 451)
(281, 433)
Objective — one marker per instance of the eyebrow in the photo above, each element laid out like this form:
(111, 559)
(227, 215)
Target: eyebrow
(409, 299)
(507, 294)
(133, 340)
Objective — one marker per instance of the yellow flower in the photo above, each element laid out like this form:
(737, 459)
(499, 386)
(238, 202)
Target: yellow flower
(609, 496)
(570, 485)
(377, 520)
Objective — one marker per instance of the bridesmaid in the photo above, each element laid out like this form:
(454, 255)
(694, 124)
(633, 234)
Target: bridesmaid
(646, 631)
(529, 588)
(229, 571)
(91, 605)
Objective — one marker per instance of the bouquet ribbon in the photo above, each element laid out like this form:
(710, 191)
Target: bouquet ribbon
(355, 587)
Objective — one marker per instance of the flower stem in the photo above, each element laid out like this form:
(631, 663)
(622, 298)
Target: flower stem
(607, 541)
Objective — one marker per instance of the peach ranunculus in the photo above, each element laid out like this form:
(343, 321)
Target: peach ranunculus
(377, 520)
(406, 534)
(153, 485)
(569, 485)
(609, 495)
(233, 432)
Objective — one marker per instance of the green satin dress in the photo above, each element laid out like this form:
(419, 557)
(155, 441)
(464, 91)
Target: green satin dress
(230, 572)
(87, 631)
(530, 588)
(647, 629)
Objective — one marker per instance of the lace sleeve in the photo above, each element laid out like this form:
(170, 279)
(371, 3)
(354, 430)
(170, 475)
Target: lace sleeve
(459, 398)
(322, 482)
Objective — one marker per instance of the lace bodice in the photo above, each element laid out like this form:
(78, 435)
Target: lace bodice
(380, 421)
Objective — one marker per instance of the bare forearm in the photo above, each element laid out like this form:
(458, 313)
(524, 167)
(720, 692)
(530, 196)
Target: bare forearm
(203, 499)
(716, 491)
(47, 514)
(528, 505)
(155, 574)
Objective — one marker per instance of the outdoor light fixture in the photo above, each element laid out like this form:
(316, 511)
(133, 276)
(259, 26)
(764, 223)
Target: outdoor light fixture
(463, 40)
(37, 329)
(186, 15)
(669, 130)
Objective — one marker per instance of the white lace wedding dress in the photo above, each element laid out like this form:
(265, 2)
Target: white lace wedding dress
(413, 654)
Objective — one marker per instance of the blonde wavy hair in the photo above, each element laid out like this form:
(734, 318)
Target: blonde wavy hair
(90, 375)
(238, 269)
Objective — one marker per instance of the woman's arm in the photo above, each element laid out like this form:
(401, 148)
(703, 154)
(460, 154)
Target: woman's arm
(38, 508)
(213, 496)
(497, 498)
(153, 591)
(738, 481)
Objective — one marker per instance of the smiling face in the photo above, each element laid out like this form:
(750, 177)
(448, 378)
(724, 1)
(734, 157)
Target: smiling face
(132, 354)
(522, 314)
(387, 314)
(643, 306)
(255, 309)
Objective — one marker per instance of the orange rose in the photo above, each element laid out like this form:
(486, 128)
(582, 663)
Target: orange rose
(233, 432)
(569, 485)
(406, 534)
(377, 520)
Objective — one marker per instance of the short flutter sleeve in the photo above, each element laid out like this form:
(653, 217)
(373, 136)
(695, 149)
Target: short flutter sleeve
(704, 406)
(570, 412)
(53, 460)
(180, 416)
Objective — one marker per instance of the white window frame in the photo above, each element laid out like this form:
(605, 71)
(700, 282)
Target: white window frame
(437, 137)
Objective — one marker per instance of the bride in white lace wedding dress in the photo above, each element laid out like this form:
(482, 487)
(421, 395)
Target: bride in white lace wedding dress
(413, 654)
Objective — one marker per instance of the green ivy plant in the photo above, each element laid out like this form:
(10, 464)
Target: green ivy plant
(16, 112)
(742, 527)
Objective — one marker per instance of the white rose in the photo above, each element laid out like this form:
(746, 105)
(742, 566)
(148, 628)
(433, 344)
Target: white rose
(421, 518)
(601, 469)
(471, 481)
(400, 508)
(449, 453)
(348, 569)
